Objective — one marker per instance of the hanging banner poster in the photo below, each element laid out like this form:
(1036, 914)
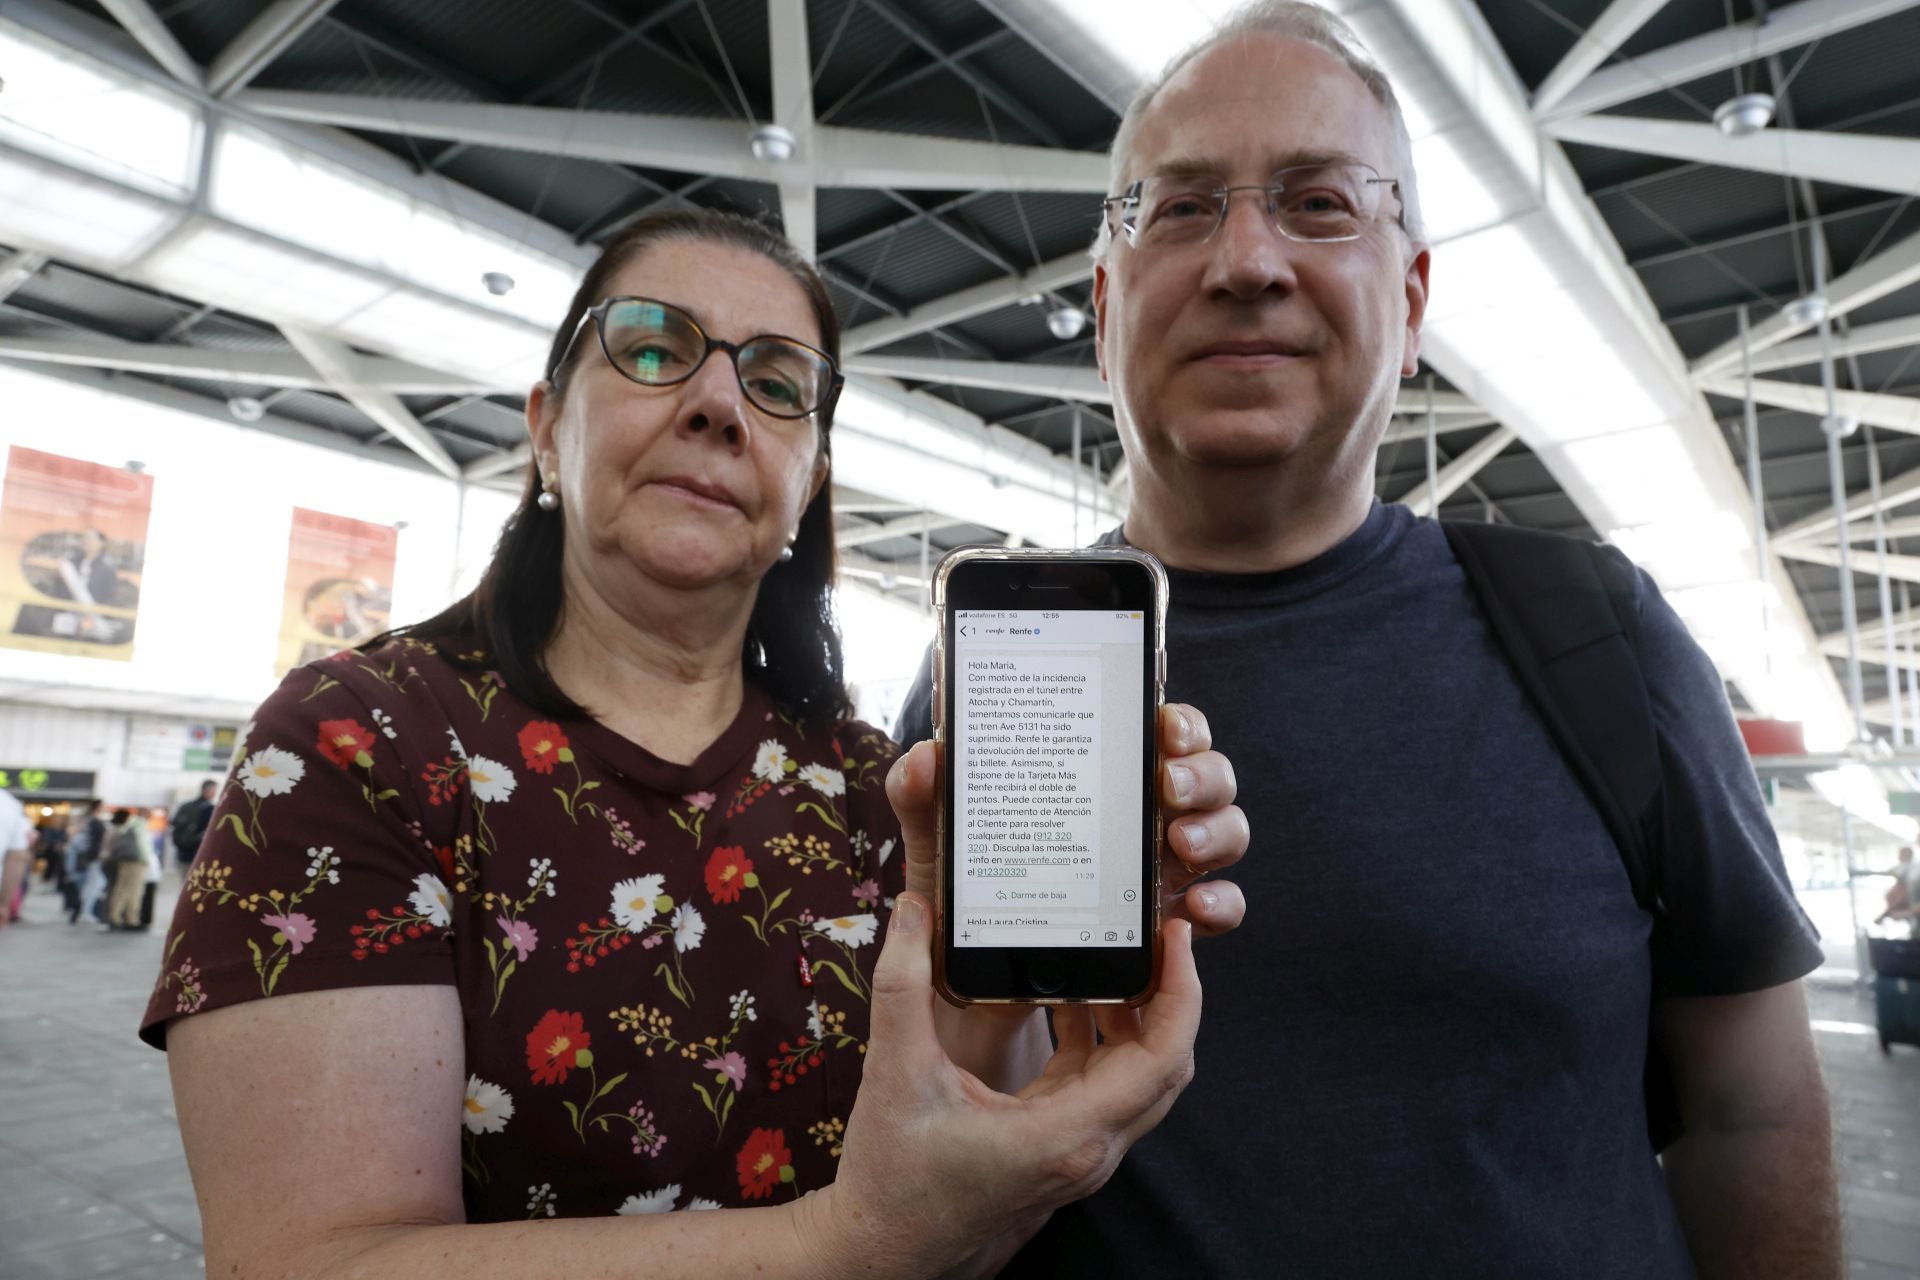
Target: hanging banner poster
(339, 586)
(73, 540)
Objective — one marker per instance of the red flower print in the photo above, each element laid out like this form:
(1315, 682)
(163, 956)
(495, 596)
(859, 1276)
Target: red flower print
(541, 743)
(343, 741)
(727, 871)
(556, 1046)
(764, 1163)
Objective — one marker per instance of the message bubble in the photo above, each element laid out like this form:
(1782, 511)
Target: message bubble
(1027, 782)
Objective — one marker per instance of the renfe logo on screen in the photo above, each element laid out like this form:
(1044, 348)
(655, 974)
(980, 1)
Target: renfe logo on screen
(1048, 777)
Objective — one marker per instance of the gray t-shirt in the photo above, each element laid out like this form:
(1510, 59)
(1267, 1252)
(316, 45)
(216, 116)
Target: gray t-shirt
(1422, 1053)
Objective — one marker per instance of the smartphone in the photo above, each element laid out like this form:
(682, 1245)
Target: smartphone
(1049, 671)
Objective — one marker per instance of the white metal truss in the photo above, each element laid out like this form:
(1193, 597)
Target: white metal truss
(1865, 339)
(1613, 28)
(146, 26)
(1874, 162)
(1890, 270)
(1056, 381)
(967, 303)
(335, 362)
(1426, 499)
(865, 534)
(17, 268)
(506, 462)
(1895, 413)
(1779, 29)
(258, 368)
(839, 157)
(261, 41)
(793, 110)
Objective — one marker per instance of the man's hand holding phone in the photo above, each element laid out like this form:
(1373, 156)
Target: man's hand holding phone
(1007, 1045)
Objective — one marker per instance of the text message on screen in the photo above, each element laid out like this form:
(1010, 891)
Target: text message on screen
(1048, 775)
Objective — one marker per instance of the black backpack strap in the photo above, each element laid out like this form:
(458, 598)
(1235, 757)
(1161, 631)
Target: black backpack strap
(1564, 613)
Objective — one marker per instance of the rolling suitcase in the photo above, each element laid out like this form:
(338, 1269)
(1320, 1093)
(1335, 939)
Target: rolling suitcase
(1896, 990)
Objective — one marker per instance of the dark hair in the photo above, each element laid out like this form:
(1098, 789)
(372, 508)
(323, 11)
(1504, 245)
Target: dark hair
(792, 647)
(120, 817)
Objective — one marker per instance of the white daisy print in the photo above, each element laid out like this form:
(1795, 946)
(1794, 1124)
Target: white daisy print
(828, 782)
(491, 781)
(886, 850)
(770, 762)
(271, 771)
(660, 1201)
(688, 927)
(431, 899)
(701, 1202)
(488, 1107)
(635, 901)
(852, 931)
(815, 1030)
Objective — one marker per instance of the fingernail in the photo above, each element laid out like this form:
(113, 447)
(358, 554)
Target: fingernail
(908, 915)
(1182, 779)
(1186, 724)
(1208, 898)
(1197, 837)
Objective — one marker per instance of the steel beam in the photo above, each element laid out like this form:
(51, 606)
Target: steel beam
(262, 40)
(1613, 28)
(500, 464)
(1776, 30)
(841, 157)
(967, 303)
(255, 368)
(793, 109)
(1057, 381)
(144, 25)
(1895, 413)
(1905, 568)
(335, 362)
(1426, 498)
(1890, 270)
(1895, 492)
(864, 534)
(1875, 162)
(1884, 335)
(17, 268)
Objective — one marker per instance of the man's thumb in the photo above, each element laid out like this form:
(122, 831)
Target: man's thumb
(913, 789)
(903, 978)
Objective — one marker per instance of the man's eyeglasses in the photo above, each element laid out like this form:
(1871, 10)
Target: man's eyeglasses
(656, 344)
(1313, 203)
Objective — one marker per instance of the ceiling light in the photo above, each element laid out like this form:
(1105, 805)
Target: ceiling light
(772, 143)
(498, 283)
(1745, 115)
(246, 408)
(1840, 424)
(1065, 323)
(1809, 310)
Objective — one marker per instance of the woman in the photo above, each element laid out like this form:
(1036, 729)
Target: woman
(126, 866)
(593, 863)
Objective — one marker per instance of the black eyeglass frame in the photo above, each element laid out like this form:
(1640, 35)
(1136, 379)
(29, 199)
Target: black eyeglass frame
(597, 313)
(1130, 199)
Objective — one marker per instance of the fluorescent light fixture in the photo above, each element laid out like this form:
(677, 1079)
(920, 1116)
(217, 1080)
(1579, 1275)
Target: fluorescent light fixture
(1453, 199)
(48, 206)
(68, 107)
(1647, 475)
(445, 335)
(257, 276)
(261, 182)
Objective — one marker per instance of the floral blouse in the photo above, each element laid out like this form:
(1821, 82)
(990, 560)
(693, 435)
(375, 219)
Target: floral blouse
(663, 969)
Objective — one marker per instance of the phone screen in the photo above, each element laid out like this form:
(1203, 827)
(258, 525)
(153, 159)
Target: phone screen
(1048, 785)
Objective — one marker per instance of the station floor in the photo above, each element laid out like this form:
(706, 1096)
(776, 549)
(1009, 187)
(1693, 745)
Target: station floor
(93, 1183)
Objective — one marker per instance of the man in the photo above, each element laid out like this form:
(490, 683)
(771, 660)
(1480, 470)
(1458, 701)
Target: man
(1903, 899)
(16, 851)
(1425, 1055)
(190, 823)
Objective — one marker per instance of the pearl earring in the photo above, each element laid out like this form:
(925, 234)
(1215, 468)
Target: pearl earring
(786, 553)
(548, 500)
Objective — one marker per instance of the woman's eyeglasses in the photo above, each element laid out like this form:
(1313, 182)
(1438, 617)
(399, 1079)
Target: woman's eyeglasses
(656, 344)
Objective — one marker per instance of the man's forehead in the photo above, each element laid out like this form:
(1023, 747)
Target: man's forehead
(1262, 98)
